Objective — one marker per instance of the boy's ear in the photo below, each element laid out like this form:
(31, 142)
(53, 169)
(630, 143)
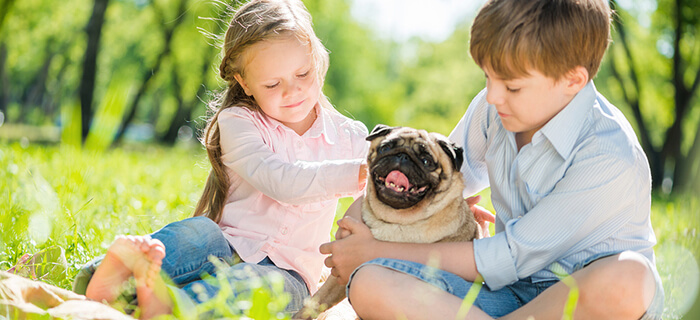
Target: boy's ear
(240, 81)
(576, 79)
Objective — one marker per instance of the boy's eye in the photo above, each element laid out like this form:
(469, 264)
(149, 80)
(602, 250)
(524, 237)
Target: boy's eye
(272, 86)
(513, 89)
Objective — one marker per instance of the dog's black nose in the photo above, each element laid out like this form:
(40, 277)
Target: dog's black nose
(403, 158)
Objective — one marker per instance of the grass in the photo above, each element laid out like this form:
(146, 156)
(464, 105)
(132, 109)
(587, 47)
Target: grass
(74, 202)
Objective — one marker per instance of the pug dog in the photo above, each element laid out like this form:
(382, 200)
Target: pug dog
(414, 194)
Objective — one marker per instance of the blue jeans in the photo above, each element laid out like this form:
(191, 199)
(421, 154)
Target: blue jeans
(497, 303)
(190, 243)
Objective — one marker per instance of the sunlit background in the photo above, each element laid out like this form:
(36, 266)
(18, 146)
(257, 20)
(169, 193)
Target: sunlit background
(99, 137)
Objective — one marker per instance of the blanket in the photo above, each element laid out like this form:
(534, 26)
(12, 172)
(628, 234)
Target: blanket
(22, 298)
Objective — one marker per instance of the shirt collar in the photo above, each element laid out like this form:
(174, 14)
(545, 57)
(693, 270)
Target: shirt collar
(322, 126)
(564, 129)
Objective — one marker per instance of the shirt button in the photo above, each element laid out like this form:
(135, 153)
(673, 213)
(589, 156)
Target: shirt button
(284, 230)
(300, 144)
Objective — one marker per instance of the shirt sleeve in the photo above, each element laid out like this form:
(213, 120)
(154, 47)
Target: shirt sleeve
(360, 149)
(301, 182)
(471, 134)
(596, 198)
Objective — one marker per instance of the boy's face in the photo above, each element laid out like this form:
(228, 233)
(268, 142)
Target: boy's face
(526, 104)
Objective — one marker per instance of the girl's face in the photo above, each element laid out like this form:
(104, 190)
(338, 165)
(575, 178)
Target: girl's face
(280, 75)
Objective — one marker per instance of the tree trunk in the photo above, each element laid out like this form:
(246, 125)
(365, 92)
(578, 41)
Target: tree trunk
(87, 81)
(185, 108)
(669, 155)
(656, 158)
(57, 90)
(683, 97)
(37, 91)
(148, 75)
(4, 81)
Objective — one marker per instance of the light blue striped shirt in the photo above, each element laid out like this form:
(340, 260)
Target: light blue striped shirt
(579, 191)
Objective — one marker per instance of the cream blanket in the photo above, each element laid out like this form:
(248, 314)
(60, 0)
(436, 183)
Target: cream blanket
(22, 298)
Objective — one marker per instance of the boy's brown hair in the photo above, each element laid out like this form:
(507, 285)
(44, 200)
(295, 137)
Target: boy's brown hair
(553, 37)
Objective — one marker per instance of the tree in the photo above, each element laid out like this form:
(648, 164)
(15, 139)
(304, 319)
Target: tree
(5, 7)
(87, 82)
(148, 73)
(4, 81)
(670, 139)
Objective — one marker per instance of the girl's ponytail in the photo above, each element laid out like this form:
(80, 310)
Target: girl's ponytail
(213, 199)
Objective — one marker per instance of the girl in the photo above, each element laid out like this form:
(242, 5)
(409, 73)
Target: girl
(281, 157)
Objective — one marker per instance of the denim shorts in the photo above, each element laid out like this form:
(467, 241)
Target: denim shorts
(496, 303)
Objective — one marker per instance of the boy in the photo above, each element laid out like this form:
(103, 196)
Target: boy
(569, 182)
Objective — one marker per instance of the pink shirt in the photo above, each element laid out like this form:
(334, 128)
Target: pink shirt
(285, 187)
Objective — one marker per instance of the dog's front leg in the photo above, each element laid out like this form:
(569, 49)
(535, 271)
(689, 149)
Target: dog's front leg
(330, 294)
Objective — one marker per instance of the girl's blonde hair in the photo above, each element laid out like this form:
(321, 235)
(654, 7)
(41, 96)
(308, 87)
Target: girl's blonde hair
(255, 21)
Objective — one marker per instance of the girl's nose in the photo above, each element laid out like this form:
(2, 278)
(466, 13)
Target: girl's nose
(292, 88)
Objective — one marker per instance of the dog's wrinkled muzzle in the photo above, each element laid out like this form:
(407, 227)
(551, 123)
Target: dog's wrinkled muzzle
(399, 181)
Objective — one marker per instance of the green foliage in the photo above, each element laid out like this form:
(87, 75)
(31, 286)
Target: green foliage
(255, 298)
(78, 200)
(81, 199)
(107, 119)
(676, 226)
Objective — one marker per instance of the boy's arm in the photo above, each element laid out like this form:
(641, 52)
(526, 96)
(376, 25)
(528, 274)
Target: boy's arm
(599, 196)
(360, 246)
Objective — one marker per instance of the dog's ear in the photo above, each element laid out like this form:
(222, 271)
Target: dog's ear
(379, 130)
(455, 152)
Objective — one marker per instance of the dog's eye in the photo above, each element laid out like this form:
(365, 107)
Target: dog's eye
(427, 162)
(384, 148)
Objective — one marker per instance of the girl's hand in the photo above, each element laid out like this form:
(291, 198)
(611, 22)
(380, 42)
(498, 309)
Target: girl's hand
(351, 251)
(362, 179)
(482, 216)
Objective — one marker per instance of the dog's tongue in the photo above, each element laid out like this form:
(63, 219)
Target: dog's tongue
(397, 181)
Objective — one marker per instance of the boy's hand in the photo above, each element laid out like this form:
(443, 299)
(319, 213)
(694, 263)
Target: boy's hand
(351, 251)
(355, 211)
(482, 216)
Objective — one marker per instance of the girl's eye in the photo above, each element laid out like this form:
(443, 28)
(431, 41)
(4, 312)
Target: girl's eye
(303, 75)
(272, 86)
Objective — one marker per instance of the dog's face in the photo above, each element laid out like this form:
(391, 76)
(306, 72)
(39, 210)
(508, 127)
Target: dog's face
(409, 171)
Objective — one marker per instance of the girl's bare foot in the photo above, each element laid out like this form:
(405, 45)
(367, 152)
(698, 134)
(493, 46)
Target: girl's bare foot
(151, 291)
(116, 267)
